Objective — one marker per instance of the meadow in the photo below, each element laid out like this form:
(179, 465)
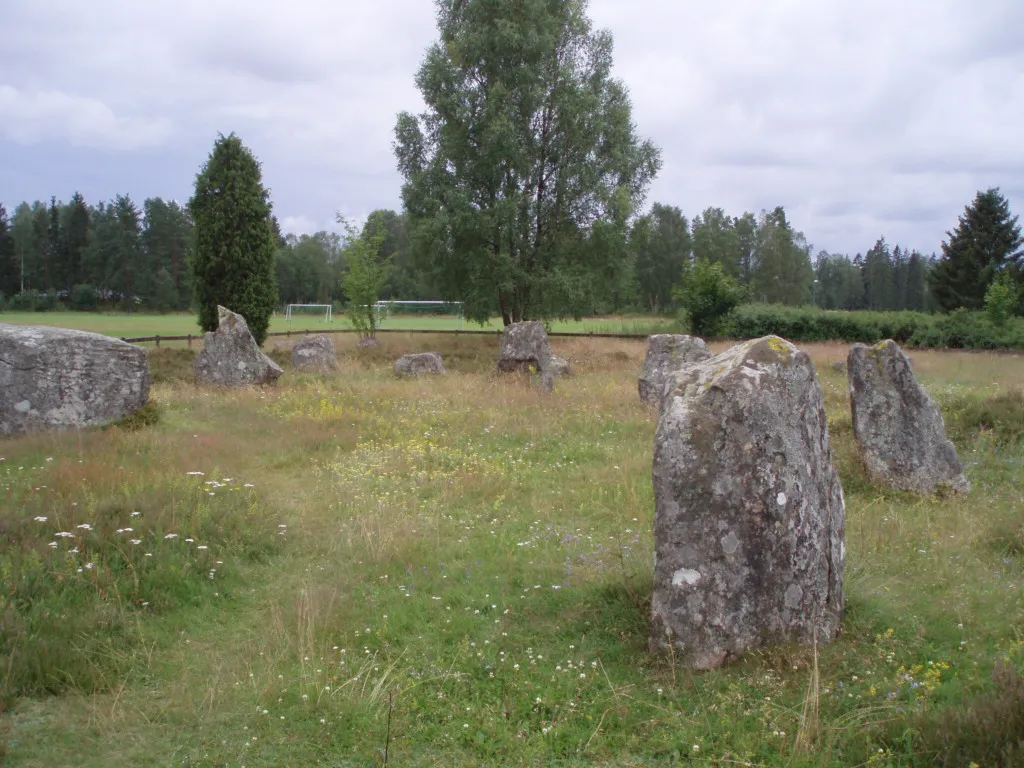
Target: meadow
(357, 570)
(123, 325)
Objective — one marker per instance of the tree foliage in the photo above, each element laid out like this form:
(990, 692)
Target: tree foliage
(9, 271)
(1001, 299)
(368, 272)
(783, 274)
(526, 143)
(986, 241)
(664, 249)
(233, 261)
(708, 294)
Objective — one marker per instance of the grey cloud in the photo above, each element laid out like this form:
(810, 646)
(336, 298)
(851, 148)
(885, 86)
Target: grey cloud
(862, 117)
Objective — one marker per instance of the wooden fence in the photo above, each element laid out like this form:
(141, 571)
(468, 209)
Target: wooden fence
(196, 337)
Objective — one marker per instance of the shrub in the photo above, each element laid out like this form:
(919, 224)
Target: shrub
(961, 329)
(1001, 300)
(147, 416)
(708, 295)
(84, 298)
(25, 301)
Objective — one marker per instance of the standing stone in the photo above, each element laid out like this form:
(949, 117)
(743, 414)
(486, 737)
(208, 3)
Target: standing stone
(315, 354)
(55, 378)
(666, 354)
(749, 516)
(525, 348)
(898, 428)
(420, 364)
(230, 356)
(560, 367)
(368, 343)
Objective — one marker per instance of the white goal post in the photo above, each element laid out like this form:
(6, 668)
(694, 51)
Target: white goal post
(385, 308)
(326, 307)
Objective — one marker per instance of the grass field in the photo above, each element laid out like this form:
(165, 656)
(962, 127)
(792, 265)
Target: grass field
(356, 570)
(143, 325)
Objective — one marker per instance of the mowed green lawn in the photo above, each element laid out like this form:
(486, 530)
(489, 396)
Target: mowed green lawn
(358, 570)
(180, 324)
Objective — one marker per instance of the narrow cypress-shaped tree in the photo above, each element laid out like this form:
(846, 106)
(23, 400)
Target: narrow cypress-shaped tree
(233, 259)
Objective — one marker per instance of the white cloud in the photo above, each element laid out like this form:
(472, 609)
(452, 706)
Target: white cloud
(862, 117)
(44, 115)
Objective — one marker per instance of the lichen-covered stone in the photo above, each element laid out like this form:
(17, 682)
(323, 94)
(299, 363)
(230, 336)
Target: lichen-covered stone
(898, 428)
(666, 354)
(420, 364)
(525, 349)
(55, 378)
(230, 356)
(749, 519)
(315, 354)
(560, 367)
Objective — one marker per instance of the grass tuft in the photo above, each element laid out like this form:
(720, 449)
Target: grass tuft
(147, 416)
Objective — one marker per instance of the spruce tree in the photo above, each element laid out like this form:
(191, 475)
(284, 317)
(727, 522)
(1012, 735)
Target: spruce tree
(9, 272)
(986, 241)
(233, 257)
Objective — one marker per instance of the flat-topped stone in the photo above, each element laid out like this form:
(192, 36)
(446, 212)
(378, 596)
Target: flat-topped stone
(315, 354)
(420, 364)
(749, 514)
(57, 378)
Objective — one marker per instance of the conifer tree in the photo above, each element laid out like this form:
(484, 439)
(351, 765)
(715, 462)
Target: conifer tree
(987, 241)
(233, 260)
(9, 273)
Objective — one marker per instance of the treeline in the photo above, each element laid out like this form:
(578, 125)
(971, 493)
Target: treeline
(117, 255)
(772, 261)
(81, 256)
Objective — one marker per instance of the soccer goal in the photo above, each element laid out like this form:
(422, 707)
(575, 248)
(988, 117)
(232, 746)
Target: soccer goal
(382, 310)
(313, 309)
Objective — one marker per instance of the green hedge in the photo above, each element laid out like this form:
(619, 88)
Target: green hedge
(959, 330)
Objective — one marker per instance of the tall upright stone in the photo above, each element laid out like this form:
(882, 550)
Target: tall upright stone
(56, 378)
(230, 356)
(666, 354)
(525, 349)
(749, 513)
(899, 429)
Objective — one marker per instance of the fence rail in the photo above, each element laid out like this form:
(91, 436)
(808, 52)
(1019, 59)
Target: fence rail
(196, 337)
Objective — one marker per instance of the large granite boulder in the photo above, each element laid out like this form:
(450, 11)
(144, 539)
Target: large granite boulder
(230, 356)
(422, 363)
(525, 348)
(55, 378)
(898, 428)
(749, 513)
(666, 354)
(315, 354)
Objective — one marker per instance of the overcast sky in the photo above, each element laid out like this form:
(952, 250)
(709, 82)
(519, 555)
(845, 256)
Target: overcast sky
(862, 117)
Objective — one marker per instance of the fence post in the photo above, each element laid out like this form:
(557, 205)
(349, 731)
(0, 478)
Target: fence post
(190, 341)
(157, 339)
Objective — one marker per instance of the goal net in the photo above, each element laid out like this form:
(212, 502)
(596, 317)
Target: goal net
(382, 310)
(309, 310)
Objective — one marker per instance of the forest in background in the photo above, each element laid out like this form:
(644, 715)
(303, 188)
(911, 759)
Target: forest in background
(117, 255)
